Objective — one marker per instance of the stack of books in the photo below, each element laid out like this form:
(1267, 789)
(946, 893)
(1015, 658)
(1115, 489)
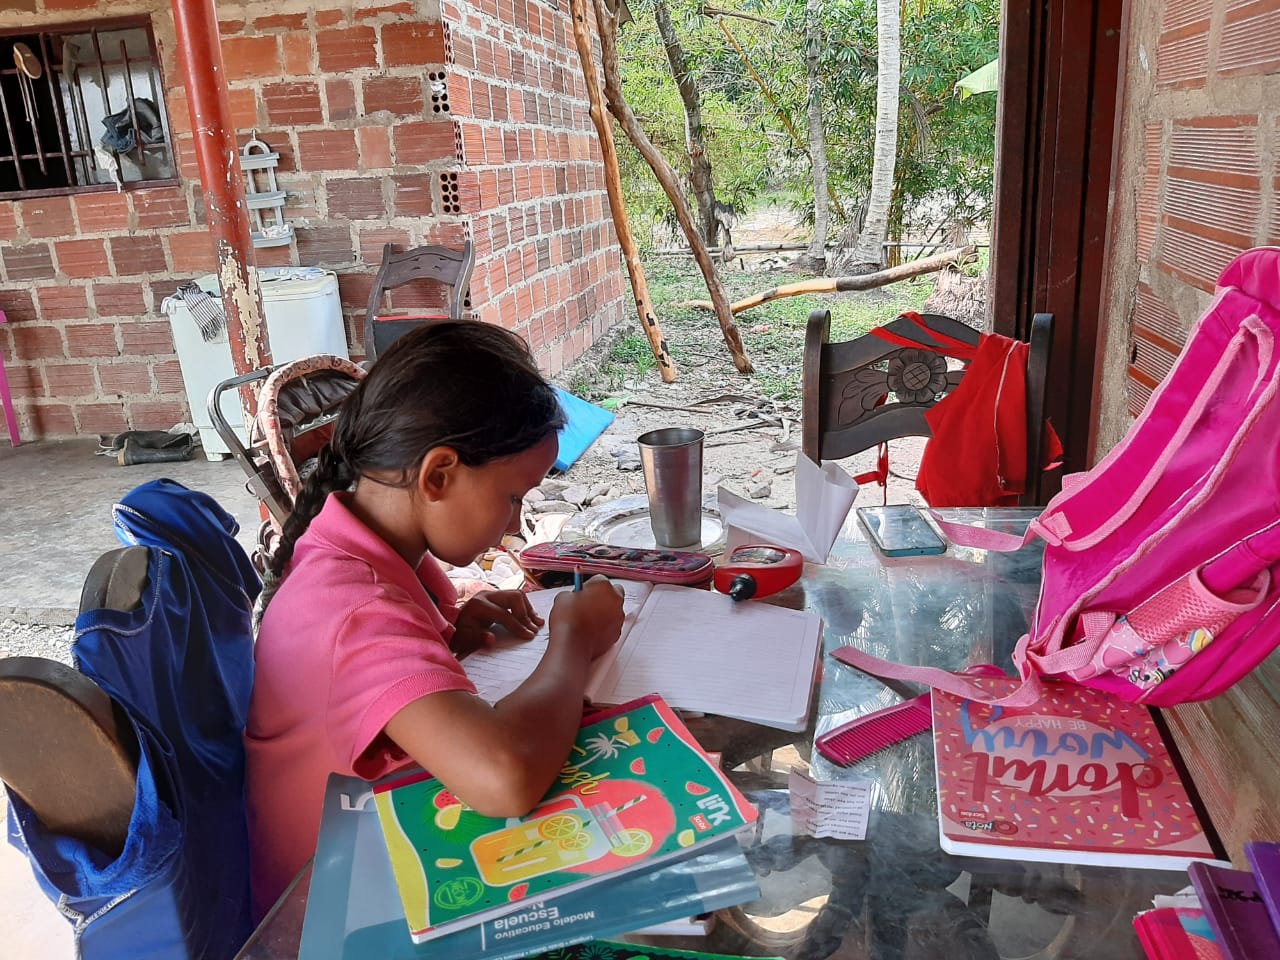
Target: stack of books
(606, 950)
(1085, 777)
(1232, 915)
(638, 830)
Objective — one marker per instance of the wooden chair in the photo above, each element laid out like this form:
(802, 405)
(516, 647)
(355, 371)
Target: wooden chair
(843, 383)
(443, 265)
(66, 748)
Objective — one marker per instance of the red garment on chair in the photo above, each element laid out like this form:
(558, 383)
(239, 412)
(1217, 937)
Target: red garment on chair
(977, 456)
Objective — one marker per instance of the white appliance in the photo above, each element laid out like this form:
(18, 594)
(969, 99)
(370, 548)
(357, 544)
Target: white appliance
(303, 318)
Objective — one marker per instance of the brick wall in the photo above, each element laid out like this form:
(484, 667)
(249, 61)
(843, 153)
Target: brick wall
(1197, 181)
(396, 122)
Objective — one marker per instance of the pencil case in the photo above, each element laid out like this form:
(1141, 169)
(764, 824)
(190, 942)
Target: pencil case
(552, 564)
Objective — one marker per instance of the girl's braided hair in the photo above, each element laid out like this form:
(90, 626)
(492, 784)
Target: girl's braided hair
(464, 384)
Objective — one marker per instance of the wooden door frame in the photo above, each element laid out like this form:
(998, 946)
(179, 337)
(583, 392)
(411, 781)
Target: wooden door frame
(1060, 72)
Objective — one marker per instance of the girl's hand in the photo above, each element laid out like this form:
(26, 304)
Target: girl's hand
(592, 617)
(509, 608)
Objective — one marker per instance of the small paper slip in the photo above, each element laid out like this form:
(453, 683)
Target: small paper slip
(836, 809)
(1186, 897)
(823, 498)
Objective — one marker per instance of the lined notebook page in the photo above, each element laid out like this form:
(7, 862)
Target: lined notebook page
(702, 651)
(497, 671)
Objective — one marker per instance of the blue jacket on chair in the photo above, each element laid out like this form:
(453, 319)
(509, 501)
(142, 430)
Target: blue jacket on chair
(181, 666)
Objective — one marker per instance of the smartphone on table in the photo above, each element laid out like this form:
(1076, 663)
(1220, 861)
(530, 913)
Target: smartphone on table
(900, 530)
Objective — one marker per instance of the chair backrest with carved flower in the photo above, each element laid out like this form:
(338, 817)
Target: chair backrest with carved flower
(863, 392)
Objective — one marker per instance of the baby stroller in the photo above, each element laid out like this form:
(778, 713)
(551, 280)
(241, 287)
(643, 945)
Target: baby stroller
(297, 407)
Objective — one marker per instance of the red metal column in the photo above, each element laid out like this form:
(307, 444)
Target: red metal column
(200, 53)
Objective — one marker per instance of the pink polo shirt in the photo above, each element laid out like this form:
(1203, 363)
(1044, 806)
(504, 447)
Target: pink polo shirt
(352, 636)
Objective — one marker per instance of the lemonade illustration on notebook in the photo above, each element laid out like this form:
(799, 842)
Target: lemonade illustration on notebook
(636, 788)
(563, 833)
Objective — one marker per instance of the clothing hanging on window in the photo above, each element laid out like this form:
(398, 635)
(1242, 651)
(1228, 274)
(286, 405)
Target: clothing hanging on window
(120, 135)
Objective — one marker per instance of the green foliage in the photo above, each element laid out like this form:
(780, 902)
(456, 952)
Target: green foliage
(772, 332)
(946, 146)
(635, 350)
(627, 358)
(736, 142)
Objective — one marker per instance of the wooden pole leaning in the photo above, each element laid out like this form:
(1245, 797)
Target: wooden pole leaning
(607, 24)
(613, 184)
(862, 281)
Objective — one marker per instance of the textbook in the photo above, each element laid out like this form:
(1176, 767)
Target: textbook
(354, 909)
(698, 925)
(636, 790)
(1079, 777)
(608, 950)
(1264, 858)
(697, 649)
(1236, 911)
(1177, 933)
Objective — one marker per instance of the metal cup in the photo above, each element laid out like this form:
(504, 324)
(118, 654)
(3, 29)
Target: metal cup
(672, 462)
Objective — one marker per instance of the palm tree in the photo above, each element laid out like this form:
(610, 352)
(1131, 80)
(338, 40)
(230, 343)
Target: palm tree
(870, 246)
(603, 745)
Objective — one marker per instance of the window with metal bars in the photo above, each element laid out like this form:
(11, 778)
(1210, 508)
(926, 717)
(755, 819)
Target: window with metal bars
(82, 107)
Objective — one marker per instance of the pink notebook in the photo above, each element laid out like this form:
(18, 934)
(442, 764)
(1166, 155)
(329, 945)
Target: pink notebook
(1080, 777)
(1177, 933)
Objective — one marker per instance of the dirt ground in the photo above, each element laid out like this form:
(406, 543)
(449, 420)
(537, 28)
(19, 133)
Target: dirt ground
(752, 436)
(752, 440)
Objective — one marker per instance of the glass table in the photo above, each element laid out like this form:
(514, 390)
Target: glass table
(895, 894)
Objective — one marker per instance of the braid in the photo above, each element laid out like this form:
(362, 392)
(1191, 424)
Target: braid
(463, 384)
(332, 473)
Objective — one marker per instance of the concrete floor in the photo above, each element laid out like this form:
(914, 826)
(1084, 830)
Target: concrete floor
(55, 518)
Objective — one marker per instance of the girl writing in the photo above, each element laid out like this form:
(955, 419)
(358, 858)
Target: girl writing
(357, 666)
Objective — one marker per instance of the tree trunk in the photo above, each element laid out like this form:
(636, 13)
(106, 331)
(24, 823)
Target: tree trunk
(607, 25)
(704, 191)
(613, 185)
(870, 247)
(770, 96)
(816, 258)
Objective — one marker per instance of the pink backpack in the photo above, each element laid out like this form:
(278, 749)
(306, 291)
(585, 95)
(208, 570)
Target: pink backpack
(1161, 575)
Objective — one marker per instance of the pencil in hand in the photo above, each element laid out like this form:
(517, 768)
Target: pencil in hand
(577, 579)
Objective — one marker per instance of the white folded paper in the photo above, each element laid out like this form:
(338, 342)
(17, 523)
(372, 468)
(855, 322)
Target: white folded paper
(823, 498)
(825, 808)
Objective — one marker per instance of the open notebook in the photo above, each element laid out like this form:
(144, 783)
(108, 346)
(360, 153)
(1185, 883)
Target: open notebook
(697, 649)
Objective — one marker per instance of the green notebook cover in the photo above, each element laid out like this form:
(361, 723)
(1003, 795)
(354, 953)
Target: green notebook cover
(636, 789)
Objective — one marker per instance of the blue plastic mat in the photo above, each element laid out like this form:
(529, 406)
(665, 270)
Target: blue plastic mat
(586, 422)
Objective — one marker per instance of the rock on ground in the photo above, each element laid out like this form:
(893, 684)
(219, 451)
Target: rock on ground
(35, 640)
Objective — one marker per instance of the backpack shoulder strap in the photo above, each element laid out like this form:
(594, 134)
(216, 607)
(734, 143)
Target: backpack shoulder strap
(1026, 693)
(972, 535)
